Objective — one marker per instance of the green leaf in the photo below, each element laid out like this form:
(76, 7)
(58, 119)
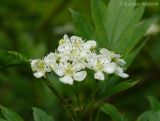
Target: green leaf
(145, 116)
(40, 115)
(11, 58)
(155, 104)
(99, 10)
(137, 35)
(117, 27)
(124, 36)
(154, 113)
(155, 116)
(120, 87)
(117, 22)
(83, 28)
(131, 56)
(149, 116)
(112, 112)
(10, 115)
(1, 119)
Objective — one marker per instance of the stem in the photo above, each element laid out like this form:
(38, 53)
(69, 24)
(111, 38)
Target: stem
(64, 103)
(92, 98)
(52, 88)
(98, 114)
(78, 104)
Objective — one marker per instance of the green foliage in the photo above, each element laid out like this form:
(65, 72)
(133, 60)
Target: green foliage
(154, 103)
(10, 58)
(150, 116)
(112, 112)
(10, 115)
(40, 115)
(118, 28)
(154, 113)
(2, 119)
(86, 30)
(99, 17)
(120, 32)
(120, 87)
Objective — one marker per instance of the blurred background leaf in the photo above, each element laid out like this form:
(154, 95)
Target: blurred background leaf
(112, 112)
(40, 115)
(154, 113)
(10, 115)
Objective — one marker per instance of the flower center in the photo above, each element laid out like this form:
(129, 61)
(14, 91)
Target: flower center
(99, 65)
(61, 41)
(69, 70)
(40, 65)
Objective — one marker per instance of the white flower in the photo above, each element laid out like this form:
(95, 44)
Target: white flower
(38, 67)
(64, 48)
(50, 61)
(90, 44)
(109, 68)
(76, 41)
(100, 64)
(67, 80)
(74, 48)
(121, 62)
(119, 72)
(70, 72)
(99, 75)
(73, 56)
(80, 76)
(64, 40)
(153, 30)
(110, 54)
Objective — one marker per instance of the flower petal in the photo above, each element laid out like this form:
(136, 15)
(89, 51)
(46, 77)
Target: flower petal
(58, 69)
(51, 58)
(123, 75)
(75, 39)
(66, 38)
(34, 64)
(39, 74)
(90, 44)
(37, 65)
(105, 51)
(119, 72)
(66, 80)
(99, 75)
(77, 66)
(109, 68)
(64, 48)
(80, 76)
(121, 62)
(59, 72)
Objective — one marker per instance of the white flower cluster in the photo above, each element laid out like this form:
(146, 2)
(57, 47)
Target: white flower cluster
(73, 56)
